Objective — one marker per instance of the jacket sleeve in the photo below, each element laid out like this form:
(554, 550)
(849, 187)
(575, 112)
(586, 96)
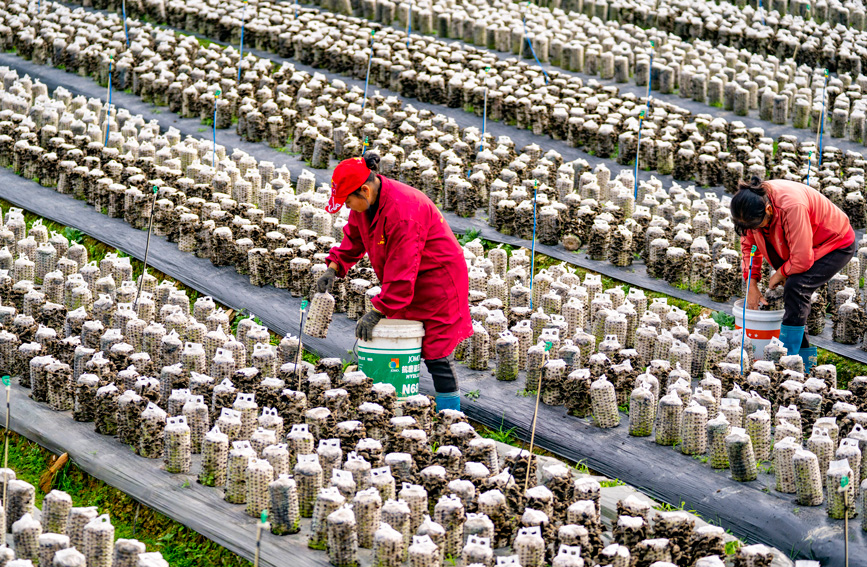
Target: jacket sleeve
(799, 236)
(351, 248)
(403, 258)
(747, 242)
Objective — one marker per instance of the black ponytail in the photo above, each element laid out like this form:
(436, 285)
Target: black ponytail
(748, 205)
(371, 160)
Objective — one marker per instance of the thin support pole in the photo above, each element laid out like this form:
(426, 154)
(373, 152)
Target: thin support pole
(638, 153)
(533, 51)
(744, 312)
(533, 432)
(367, 76)
(147, 248)
(241, 46)
(8, 383)
(408, 24)
(301, 309)
(533, 244)
(125, 30)
(649, 75)
(846, 524)
(820, 131)
(485, 111)
(108, 110)
(259, 527)
(809, 165)
(548, 346)
(214, 154)
(762, 12)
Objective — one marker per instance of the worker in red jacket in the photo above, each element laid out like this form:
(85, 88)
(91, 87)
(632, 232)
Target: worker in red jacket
(806, 239)
(420, 265)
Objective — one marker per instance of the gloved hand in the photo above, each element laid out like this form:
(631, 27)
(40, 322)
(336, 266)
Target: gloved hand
(326, 281)
(365, 325)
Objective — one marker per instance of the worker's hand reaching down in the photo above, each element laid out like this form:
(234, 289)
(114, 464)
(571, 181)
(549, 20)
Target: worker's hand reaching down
(365, 325)
(755, 297)
(777, 279)
(326, 281)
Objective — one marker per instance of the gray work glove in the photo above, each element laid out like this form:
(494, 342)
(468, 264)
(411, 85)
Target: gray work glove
(326, 281)
(365, 325)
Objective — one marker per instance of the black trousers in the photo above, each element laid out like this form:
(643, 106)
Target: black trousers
(800, 287)
(443, 372)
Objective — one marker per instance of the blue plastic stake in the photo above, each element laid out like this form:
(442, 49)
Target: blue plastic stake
(367, 77)
(108, 111)
(485, 111)
(638, 152)
(408, 24)
(296, 9)
(530, 44)
(364, 145)
(809, 160)
(744, 312)
(125, 30)
(241, 46)
(762, 12)
(533, 245)
(821, 129)
(214, 155)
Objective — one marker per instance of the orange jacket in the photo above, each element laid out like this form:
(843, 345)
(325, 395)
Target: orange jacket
(805, 227)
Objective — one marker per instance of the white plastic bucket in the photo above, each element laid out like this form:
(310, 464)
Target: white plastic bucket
(761, 326)
(394, 355)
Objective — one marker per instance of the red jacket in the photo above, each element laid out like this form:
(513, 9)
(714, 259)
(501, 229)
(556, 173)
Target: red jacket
(418, 261)
(805, 227)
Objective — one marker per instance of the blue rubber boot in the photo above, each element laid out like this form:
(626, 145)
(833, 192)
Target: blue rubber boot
(810, 355)
(791, 338)
(449, 400)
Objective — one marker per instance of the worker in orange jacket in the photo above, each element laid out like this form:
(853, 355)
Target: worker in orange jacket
(805, 237)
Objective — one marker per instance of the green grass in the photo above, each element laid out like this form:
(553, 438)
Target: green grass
(724, 320)
(582, 467)
(526, 393)
(73, 234)
(501, 435)
(846, 368)
(310, 357)
(473, 395)
(180, 546)
(612, 483)
(716, 104)
(469, 236)
(287, 149)
(733, 546)
(666, 507)
(469, 108)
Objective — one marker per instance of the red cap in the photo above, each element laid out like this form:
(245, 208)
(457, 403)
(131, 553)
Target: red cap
(349, 175)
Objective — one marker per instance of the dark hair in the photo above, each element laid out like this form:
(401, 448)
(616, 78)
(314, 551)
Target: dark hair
(748, 205)
(371, 160)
